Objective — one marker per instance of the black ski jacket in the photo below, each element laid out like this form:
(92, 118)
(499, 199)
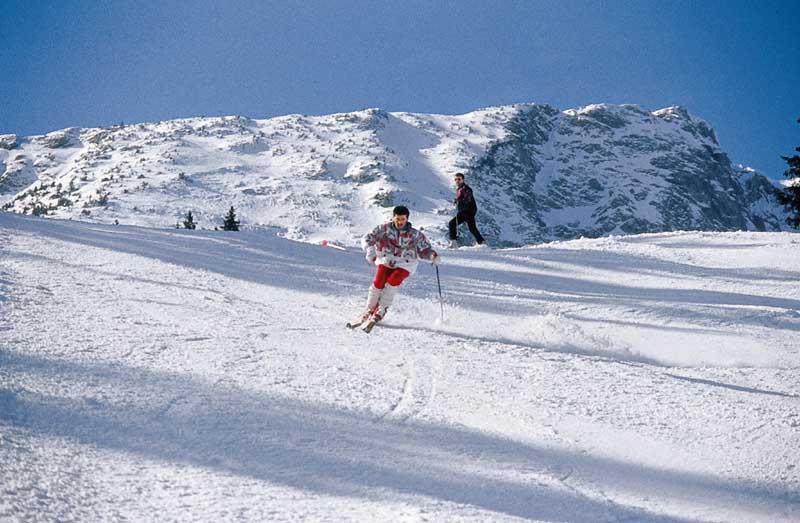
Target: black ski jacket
(465, 200)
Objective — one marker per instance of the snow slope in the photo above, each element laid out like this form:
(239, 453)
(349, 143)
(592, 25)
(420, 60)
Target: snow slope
(177, 375)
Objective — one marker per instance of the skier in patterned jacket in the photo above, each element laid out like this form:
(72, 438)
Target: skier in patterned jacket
(395, 247)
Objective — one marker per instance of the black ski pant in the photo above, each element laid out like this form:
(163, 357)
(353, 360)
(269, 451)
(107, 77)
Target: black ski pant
(470, 219)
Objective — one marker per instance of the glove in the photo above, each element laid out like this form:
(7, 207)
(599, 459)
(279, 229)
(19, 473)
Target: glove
(371, 256)
(436, 260)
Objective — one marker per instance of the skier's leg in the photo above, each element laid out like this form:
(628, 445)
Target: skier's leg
(452, 224)
(373, 296)
(397, 276)
(385, 301)
(381, 275)
(473, 228)
(389, 292)
(375, 290)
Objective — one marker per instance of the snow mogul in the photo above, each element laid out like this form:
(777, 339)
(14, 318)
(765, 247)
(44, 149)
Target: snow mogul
(396, 248)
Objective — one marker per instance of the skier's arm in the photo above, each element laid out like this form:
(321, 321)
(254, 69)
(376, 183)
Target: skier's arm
(369, 241)
(425, 249)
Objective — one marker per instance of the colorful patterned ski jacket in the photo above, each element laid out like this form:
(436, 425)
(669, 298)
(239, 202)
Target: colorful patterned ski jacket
(397, 248)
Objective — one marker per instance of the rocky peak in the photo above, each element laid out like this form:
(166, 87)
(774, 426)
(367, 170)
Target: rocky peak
(8, 141)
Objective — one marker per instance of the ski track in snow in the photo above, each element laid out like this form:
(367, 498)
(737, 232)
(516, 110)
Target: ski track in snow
(184, 375)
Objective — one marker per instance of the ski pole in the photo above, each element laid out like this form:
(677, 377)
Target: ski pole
(441, 300)
(455, 205)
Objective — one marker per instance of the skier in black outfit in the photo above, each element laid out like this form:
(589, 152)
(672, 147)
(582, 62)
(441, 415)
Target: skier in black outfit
(466, 210)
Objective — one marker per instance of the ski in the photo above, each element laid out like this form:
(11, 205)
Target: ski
(368, 327)
(355, 324)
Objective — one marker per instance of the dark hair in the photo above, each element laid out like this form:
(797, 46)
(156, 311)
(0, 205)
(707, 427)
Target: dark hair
(459, 174)
(401, 210)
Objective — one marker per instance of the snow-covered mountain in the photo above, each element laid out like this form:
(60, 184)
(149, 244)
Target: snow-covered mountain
(539, 173)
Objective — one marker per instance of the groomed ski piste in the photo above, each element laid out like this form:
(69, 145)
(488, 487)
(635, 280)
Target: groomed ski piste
(173, 375)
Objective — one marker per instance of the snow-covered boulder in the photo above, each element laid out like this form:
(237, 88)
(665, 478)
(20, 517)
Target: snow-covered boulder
(8, 141)
(56, 139)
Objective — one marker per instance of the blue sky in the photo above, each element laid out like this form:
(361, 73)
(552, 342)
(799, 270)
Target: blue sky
(736, 64)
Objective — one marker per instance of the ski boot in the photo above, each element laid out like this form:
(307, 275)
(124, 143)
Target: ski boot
(377, 316)
(363, 319)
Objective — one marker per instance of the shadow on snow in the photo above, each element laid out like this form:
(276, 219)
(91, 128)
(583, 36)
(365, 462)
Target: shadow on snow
(327, 450)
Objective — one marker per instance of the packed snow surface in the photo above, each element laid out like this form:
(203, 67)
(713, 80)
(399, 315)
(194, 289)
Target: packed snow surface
(174, 375)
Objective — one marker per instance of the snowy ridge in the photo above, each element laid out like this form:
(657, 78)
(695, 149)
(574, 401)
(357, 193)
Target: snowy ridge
(539, 173)
(163, 374)
(314, 177)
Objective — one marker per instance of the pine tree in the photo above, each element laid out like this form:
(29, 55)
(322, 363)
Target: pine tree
(189, 223)
(230, 223)
(790, 195)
